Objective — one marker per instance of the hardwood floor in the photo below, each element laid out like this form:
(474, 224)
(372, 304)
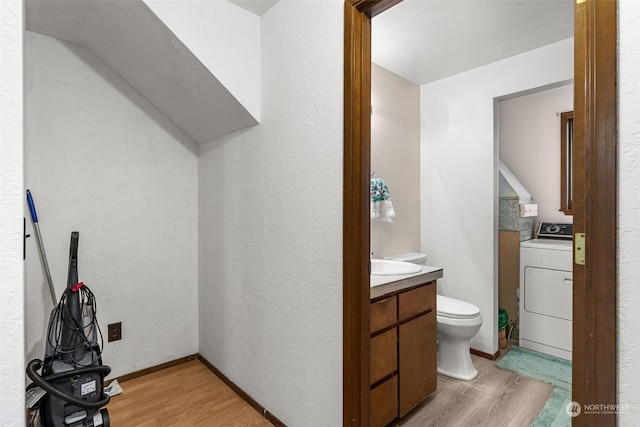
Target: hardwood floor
(495, 398)
(191, 395)
(185, 395)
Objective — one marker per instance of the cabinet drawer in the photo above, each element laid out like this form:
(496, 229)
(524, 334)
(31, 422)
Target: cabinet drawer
(383, 314)
(384, 355)
(383, 403)
(417, 301)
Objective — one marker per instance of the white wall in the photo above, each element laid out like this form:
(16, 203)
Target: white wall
(271, 226)
(325, 303)
(395, 157)
(103, 161)
(12, 367)
(529, 140)
(629, 206)
(224, 37)
(459, 173)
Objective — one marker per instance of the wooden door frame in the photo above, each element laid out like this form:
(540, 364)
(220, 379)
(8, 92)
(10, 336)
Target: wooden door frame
(594, 367)
(356, 221)
(595, 212)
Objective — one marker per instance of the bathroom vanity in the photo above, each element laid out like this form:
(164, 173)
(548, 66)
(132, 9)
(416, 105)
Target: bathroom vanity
(403, 343)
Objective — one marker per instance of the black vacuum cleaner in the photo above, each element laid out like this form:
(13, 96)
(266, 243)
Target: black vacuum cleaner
(70, 390)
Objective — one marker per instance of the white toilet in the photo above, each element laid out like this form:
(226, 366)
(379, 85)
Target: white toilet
(457, 321)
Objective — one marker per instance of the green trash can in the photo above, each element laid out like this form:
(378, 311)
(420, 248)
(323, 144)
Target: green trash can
(503, 321)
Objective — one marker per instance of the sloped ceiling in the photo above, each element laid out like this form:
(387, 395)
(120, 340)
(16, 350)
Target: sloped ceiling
(259, 7)
(427, 40)
(132, 40)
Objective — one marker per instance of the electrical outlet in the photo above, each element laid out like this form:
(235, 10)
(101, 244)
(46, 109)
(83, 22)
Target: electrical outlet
(528, 210)
(114, 331)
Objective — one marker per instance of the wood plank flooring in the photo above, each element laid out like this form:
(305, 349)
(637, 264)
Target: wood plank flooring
(191, 395)
(495, 398)
(185, 395)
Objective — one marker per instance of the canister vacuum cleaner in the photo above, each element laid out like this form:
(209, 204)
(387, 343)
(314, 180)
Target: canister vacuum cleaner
(70, 390)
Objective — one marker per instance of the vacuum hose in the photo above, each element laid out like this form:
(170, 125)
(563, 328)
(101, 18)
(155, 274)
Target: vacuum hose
(46, 385)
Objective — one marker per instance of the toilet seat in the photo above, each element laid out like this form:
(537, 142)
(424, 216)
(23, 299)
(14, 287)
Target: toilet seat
(455, 309)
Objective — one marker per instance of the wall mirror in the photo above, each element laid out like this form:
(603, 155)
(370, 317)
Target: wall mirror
(566, 162)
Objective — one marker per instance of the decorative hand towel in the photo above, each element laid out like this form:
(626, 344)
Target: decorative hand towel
(381, 206)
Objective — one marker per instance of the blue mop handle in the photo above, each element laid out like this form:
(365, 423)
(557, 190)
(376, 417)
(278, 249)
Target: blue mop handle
(43, 256)
(32, 207)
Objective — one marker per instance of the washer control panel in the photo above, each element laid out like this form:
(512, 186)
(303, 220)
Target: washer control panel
(555, 230)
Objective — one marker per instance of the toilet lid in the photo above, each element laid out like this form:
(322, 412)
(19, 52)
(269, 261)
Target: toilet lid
(450, 307)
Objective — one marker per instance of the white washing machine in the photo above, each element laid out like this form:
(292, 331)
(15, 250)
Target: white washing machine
(546, 296)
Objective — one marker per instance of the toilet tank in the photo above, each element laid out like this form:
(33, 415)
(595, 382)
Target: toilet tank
(413, 257)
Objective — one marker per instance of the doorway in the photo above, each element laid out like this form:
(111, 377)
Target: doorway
(594, 328)
(528, 138)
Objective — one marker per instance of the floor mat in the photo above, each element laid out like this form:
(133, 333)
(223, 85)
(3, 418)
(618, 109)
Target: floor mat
(550, 369)
(554, 413)
(532, 364)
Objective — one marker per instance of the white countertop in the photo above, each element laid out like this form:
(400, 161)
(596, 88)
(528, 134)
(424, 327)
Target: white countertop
(382, 285)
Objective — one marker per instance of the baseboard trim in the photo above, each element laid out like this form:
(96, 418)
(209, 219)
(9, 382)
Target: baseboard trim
(243, 395)
(156, 368)
(255, 405)
(486, 355)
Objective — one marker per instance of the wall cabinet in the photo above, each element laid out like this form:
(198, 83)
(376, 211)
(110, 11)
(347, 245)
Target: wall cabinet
(403, 352)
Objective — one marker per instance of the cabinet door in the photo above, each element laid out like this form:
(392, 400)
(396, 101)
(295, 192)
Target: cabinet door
(418, 361)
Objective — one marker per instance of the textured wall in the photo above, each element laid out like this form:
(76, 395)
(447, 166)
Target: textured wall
(103, 161)
(242, 319)
(271, 226)
(459, 163)
(395, 157)
(11, 212)
(629, 208)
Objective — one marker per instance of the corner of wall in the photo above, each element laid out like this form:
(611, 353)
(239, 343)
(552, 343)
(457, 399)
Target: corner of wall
(225, 38)
(12, 340)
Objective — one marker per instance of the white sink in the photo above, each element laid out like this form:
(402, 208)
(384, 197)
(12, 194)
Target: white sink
(387, 267)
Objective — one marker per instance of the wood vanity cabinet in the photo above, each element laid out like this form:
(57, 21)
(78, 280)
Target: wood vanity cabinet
(403, 352)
